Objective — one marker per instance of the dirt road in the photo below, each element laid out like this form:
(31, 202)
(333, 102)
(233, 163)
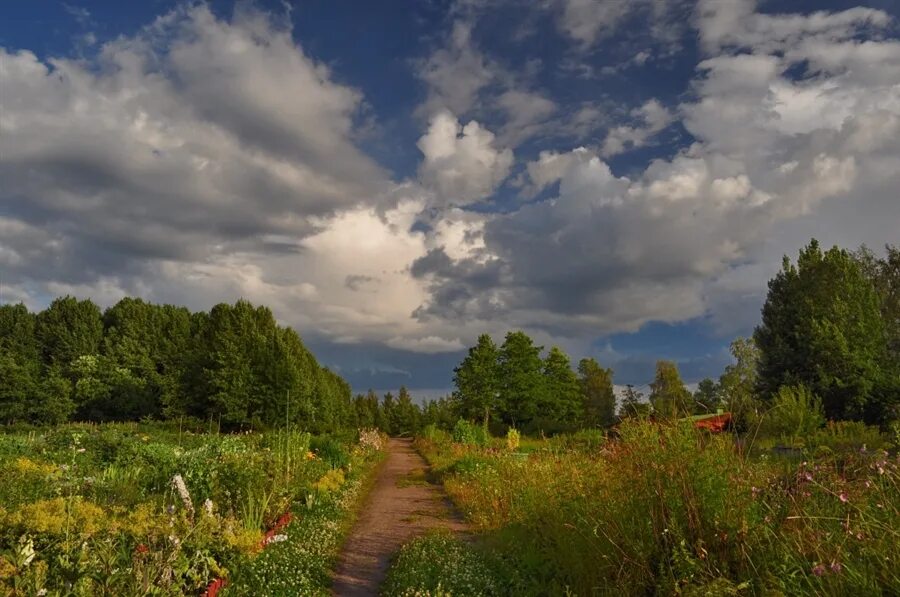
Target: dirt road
(402, 505)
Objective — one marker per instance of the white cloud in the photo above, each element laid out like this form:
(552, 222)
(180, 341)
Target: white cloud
(652, 118)
(455, 73)
(687, 237)
(461, 163)
(588, 21)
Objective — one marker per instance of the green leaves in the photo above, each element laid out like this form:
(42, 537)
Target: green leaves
(822, 326)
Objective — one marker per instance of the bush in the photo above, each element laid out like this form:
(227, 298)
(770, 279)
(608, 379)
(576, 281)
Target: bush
(848, 436)
(512, 440)
(330, 450)
(795, 414)
(465, 432)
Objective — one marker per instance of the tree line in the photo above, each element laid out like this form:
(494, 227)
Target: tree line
(830, 329)
(233, 365)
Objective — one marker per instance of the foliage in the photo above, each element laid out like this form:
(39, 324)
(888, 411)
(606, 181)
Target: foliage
(522, 385)
(477, 381)
(738, 384)
(137, 360)
(668, 396)
(468, 433)
(440, 565)
(794, 414)
(126, 509)
(598, 395)
(665, 509)
(513, 439)
(822, 326)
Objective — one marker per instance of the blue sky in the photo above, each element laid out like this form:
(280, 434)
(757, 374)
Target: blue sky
(394, 178)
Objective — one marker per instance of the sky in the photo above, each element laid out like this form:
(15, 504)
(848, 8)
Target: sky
(620, 179)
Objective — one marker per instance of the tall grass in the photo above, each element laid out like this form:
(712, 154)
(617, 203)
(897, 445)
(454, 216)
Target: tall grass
(666, 509)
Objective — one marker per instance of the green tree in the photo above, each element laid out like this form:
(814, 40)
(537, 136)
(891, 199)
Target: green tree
(521, 379)
(597, 394)
(738, 384)
(477, 381)
(68, 329)
(707, 397)
(20, 366)
(633, 404)
(387, 414)
(560, 405)
(668, 395)
(407, 416)
(822, 327)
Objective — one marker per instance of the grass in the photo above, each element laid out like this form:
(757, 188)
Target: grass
(664, 509)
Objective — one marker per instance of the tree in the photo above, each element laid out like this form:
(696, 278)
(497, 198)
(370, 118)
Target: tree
(407, 416)
(477, 381)
(521, 379)
(560, 404)
(822, 327)
(884, 273)
(633, 404)
(387, 410)
(668, 395)
(738, 384)
(20, 366)
(706, 398)
(597, 394)
(68, 329)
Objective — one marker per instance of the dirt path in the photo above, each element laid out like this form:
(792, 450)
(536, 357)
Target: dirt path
(402, 505)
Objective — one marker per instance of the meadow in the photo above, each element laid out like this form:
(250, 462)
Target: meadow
(154, 509)
(660, 508)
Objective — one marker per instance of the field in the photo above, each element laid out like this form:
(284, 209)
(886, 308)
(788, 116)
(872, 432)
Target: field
(151, 509)
(661, 509)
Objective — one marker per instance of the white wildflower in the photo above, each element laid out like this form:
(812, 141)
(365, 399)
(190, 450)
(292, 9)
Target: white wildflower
(276, 539)
(208, 506)
(178, 482)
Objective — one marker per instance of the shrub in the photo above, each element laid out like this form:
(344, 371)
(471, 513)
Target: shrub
(465, 432)
(331, 451)
(795, 414)
(512, 440)
(846, 436)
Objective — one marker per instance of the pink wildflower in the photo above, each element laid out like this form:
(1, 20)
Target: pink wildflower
(819, 570)
(843, 497)
(836, 567)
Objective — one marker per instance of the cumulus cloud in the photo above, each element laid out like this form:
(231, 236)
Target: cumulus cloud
(588, 21)
(652, 118)
(684, 237)
(455, 73)
(461, 163)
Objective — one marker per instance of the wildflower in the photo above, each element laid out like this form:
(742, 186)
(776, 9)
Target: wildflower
(178, 482)
(843, 497)
(42, 593)
(141, 549)
(819, 570)
(26, 551)
(836, 567)
(276, 539)
(808, 476)
(208, 506)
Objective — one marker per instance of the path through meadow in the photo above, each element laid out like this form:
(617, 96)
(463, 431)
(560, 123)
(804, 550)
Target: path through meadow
(401, 505)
